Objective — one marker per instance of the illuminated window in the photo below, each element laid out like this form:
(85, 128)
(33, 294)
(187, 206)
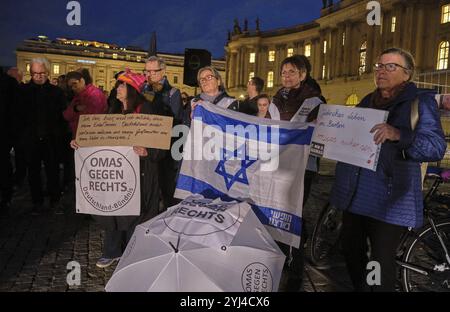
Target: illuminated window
(343, 39)
(393, 23)
(290, 52)
(445, 14)
(56, 69)
(101, 54)
(352, 100)
(308, 50)
(270, 79)
(443, 55)
(138, 58)
(252, 58)
(324, 71)
(175, 79)
(362, 58)
(251, 75)
(271, 56)
(28, 67)
(325, 47)
(114, 56)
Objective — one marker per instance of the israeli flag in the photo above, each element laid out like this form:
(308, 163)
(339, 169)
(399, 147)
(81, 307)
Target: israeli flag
(233, 156)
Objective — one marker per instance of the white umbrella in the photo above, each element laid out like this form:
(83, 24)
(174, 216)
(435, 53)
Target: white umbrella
(200, 245)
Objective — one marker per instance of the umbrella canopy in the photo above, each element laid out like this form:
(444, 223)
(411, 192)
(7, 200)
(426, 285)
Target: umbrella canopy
(200, 245)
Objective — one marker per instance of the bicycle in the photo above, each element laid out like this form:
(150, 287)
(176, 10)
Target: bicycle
(422, 255)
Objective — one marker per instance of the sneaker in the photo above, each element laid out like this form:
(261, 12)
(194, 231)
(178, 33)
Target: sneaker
(106, 262)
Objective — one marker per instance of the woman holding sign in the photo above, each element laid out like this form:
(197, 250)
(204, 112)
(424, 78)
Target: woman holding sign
(380, 204)
(118, 229)
(298, 86)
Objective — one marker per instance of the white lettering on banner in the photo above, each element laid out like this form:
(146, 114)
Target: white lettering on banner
(107, 181)
(343, 134)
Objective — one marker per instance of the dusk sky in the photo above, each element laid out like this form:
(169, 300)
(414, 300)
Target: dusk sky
(178, 24)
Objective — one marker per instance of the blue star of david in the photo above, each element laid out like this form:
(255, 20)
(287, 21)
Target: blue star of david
(241, 174)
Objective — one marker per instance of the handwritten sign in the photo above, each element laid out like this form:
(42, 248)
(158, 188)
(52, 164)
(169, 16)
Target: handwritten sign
(443, 101)
(125, 130)
(343, 134)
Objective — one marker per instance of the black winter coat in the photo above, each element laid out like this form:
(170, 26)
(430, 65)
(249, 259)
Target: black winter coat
(41, 116)
(149, 169)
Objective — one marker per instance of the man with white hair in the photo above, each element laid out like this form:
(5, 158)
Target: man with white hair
(39, 128)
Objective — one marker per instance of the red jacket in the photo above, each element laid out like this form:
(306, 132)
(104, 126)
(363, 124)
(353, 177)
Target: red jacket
(95, 102)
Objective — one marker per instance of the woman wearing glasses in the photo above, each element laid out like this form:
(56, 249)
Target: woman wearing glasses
(298, 85)
(213, 90)
(379, 205)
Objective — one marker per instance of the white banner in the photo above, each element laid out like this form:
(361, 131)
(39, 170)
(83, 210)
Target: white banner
(343, 134)
(107, 181)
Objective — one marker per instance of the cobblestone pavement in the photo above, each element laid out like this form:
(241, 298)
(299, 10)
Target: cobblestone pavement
(35, 250)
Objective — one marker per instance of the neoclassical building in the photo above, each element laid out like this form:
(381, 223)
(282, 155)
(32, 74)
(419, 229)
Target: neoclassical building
(342, 47)
(103, 60)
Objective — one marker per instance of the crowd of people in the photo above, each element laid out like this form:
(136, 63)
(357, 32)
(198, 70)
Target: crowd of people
(39, 122)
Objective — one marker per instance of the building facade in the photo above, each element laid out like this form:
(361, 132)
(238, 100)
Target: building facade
(342, 47)
(102, 59)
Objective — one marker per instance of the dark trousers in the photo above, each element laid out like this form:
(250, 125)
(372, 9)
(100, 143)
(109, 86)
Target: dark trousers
(295, 257)
(68, 162)
(115, 242)
(6, 182)
(20, 165)
(40, 151)
(384, 239)
(167, 181)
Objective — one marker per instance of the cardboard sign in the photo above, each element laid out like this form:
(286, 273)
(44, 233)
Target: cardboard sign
(107, 181)
(152, 131)
(343, 134)
(443, 101)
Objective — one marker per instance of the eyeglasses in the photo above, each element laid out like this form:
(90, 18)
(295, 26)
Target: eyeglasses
(152, 71)
(39, 74)
(207, 78)
(289, 73)
(389, 67)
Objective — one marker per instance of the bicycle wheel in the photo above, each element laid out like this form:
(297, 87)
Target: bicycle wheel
(325, 237)
(425, 267)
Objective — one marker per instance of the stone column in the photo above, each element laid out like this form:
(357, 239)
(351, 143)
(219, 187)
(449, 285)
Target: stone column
(346, 70)
(419, 39)
(370, 48)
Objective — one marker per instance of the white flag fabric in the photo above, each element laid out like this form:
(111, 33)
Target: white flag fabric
(232, 156)
(107, 181)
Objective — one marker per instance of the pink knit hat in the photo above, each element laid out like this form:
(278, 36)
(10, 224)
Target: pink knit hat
(135, 80)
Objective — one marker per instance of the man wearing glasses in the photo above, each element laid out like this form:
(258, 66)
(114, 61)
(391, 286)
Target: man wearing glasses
(379, 205)
(39, 128)
(170, 98)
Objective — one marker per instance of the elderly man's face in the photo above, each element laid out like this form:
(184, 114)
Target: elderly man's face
(153, 72)
(39, 74)
(386, 80)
